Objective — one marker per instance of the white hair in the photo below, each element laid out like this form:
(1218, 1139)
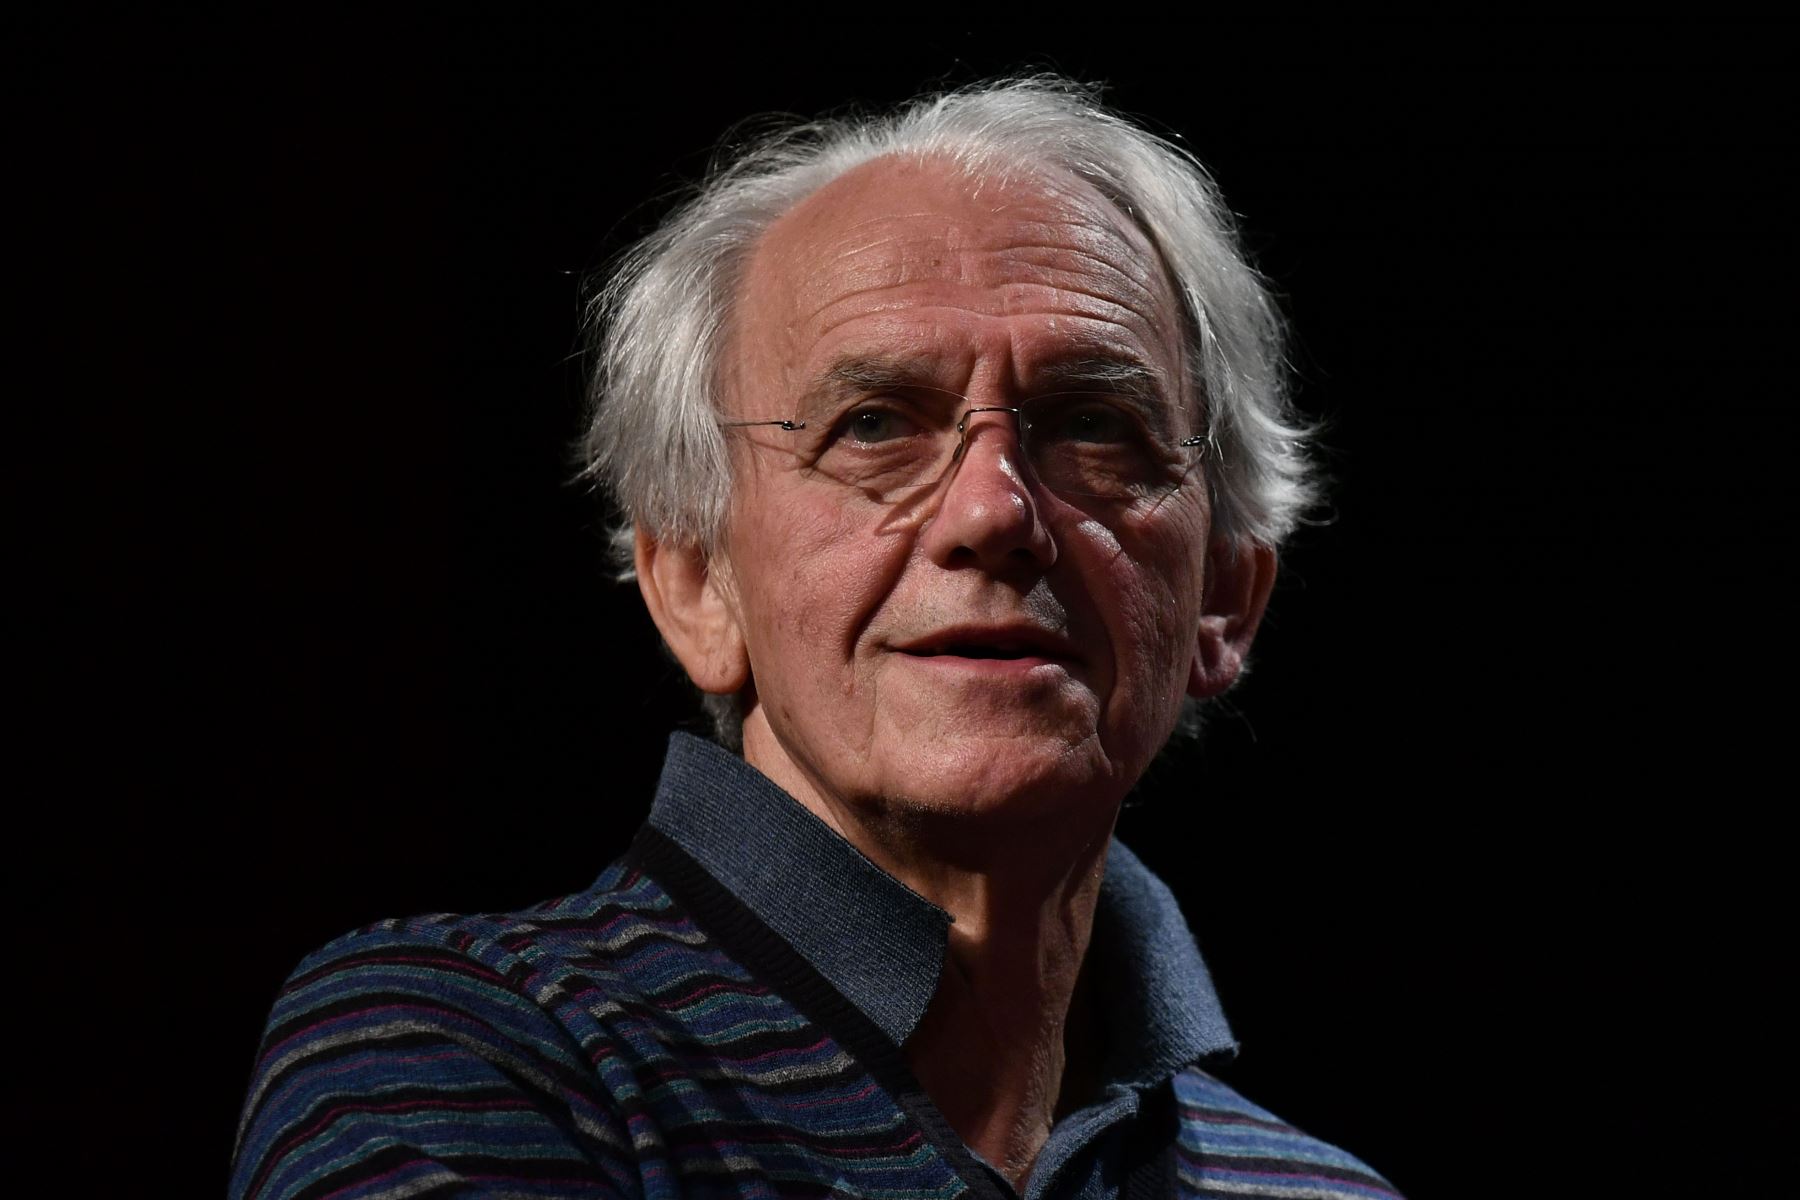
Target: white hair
(659, 323)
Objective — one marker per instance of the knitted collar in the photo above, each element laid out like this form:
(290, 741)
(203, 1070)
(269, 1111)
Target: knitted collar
(882, 945)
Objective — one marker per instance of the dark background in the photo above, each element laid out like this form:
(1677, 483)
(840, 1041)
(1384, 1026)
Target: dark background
(1482, 853)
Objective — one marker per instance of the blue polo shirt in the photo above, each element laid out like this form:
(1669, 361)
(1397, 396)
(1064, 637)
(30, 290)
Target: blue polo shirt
(882, 945)
(724, 1013)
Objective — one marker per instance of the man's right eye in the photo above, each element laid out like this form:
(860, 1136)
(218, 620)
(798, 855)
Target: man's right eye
(871, 426)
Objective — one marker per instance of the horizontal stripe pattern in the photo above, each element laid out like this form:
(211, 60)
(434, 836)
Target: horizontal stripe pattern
(599, 1045)
(1228, 1147)
(605, 1045)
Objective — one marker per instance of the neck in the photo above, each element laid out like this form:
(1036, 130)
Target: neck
(994, 1050)
(997, 1050)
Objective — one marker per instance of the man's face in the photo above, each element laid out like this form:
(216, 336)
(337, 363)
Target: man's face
(986, 647)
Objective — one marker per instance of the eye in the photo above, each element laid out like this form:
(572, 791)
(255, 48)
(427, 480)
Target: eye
(871, 425)
(1093, 422)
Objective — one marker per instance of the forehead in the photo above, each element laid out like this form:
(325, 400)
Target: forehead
(977, 274)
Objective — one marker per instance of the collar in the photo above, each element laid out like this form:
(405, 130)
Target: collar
(882, 945)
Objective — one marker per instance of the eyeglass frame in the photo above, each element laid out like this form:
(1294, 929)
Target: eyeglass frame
(794, 424)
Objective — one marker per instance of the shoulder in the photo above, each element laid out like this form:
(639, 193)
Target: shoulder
(447, 1048)
(1228, 1144)
(498, 966)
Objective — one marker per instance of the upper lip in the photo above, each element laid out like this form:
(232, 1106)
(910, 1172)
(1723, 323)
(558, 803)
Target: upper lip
(1004, 640)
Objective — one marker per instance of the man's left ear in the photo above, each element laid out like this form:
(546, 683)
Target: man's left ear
(1239, 576)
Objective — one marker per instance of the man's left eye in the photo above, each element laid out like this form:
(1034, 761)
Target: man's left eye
(1095, 423)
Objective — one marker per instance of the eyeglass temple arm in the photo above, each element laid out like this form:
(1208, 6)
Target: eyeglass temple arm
(962, 425)
(788, 425)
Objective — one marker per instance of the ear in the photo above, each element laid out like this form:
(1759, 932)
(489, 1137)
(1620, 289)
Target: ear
(1239, 576)
(691, 602)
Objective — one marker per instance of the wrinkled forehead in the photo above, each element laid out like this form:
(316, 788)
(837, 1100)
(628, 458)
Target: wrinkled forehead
(904, 235)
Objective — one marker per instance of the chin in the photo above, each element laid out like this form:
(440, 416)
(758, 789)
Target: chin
(1005, 779)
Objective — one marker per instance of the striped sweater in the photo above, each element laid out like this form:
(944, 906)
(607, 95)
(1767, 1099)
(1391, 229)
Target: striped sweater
(703, 1021)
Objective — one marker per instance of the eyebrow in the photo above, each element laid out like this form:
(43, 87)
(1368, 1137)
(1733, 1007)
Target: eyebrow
(1125, 378)
(1122, 375)
(881, 372)
(849, 377)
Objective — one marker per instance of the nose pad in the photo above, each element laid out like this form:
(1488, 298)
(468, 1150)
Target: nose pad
(988, 511)
(967, 428)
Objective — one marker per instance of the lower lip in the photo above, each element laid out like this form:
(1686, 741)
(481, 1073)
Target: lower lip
(984, 668)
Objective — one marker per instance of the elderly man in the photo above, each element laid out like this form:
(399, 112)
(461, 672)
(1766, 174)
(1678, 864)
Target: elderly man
(955, 454)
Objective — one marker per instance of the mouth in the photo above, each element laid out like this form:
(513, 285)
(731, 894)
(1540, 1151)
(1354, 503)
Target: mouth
(995, 644)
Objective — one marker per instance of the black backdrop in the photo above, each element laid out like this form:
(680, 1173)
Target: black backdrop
(1481, 854)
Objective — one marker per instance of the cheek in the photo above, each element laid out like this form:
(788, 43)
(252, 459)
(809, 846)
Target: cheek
(1161, 643)
(1155, 598)
(811, 575)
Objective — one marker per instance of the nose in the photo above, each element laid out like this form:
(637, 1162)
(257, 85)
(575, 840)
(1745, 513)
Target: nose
(988, 514)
